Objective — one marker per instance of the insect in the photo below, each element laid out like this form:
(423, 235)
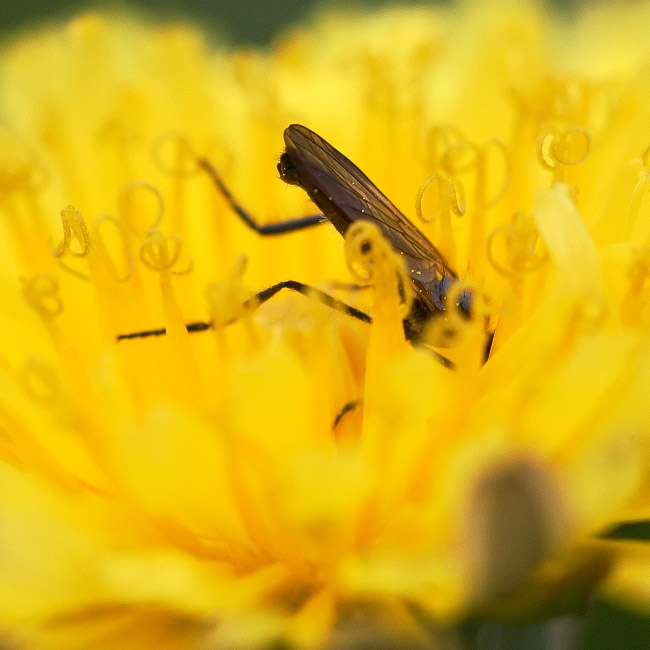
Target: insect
(344, 194)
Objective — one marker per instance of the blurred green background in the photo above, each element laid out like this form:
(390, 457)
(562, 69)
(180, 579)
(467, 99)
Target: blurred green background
(258, 23)
(243, 22)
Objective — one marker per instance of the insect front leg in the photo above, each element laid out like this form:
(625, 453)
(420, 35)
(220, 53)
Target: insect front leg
(270, 229)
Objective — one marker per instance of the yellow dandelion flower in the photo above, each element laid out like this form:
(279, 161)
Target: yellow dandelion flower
(287, 474)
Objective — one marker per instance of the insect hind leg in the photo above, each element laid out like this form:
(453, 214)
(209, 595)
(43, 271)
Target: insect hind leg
(306, 290)
(199, 326)
(270, 229)
(257, 300)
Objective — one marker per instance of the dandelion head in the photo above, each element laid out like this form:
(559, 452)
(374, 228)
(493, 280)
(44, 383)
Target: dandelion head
(194, 455)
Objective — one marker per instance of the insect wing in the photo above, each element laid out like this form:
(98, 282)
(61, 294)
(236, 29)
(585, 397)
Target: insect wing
(345, 194)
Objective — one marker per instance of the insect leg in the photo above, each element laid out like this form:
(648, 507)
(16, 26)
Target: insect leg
(257, 300)
(350, 406)
(487, 350)
(339, 305)
(267, 229)
(199, 326)
(348, 286)
(306, 290)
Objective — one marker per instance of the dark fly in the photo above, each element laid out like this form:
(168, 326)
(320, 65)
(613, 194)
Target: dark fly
(345, 194)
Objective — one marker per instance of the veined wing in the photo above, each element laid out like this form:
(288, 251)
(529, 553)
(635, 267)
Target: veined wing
(345, 194)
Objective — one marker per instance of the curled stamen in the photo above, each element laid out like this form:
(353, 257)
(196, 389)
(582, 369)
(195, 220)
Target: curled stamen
(460, 158)
(173, 154)
(520, 238)
(74, 226)
(102, 247)
(572, 147)
(42, 294)
(141, 202)
(364, 247)
(156, 253)
(565, 146)
(448, 193)
(188, 269)
(438, 140)
(371, 259)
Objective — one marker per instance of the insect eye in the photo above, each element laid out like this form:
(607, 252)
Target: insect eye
(366, 247)
(287, 170)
